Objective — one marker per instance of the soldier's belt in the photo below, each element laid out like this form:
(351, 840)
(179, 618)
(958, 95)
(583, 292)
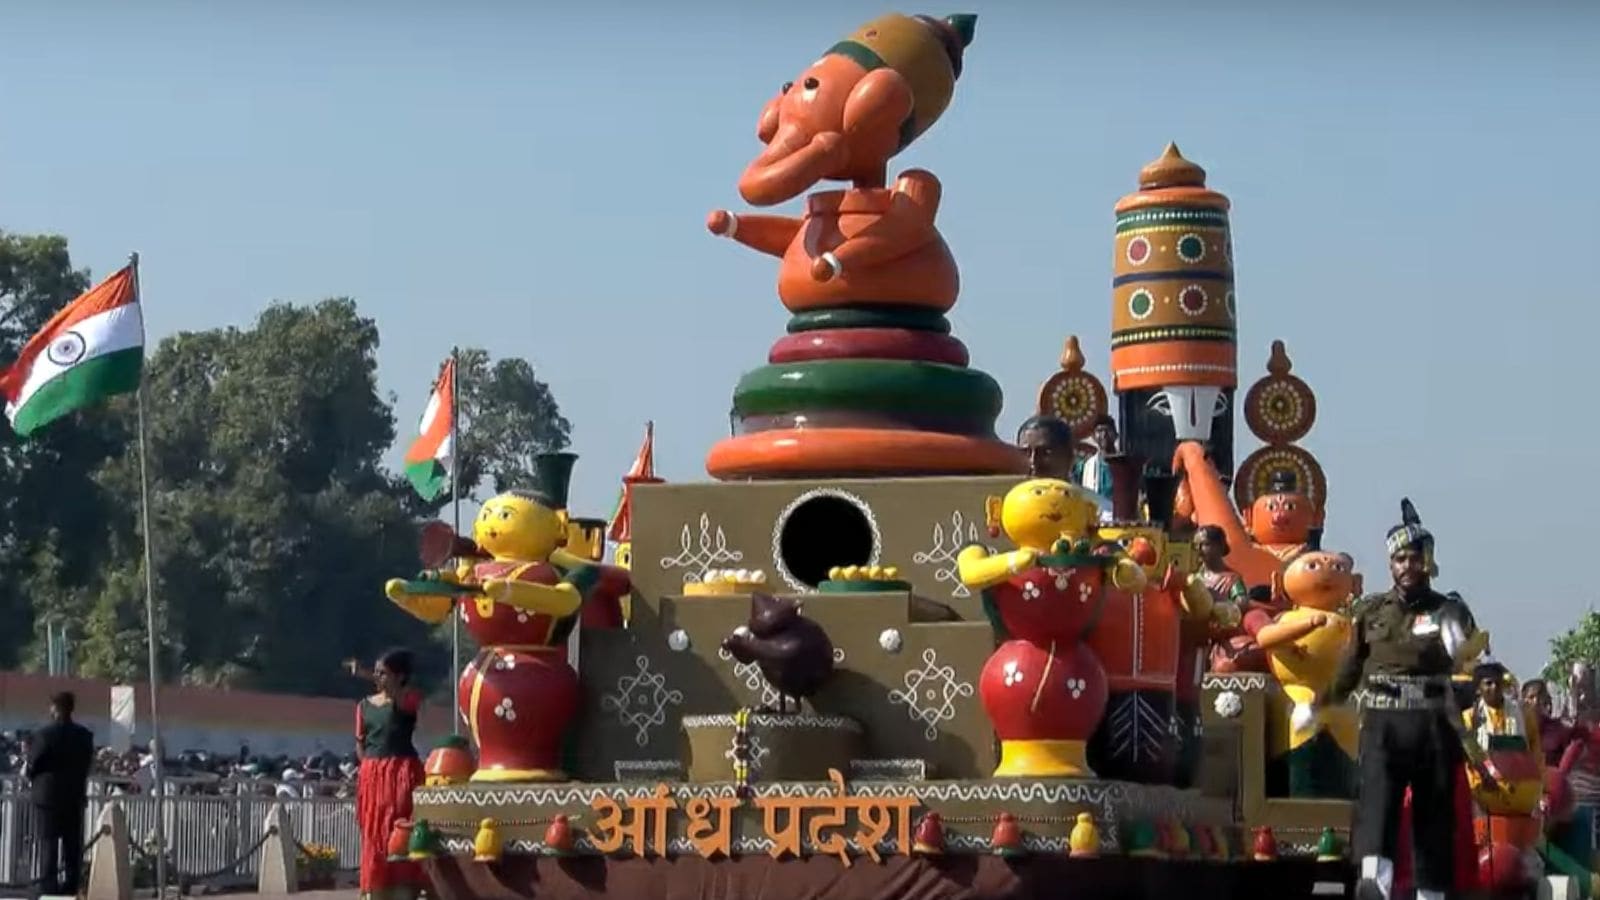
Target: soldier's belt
(1399, 692)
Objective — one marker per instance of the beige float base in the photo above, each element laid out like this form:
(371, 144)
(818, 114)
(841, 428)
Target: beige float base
(1043, 759)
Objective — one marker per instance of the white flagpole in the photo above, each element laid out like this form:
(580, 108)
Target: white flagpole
(157, 749)
(455, 513)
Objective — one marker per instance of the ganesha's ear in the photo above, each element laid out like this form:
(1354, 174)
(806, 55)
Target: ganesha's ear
(878, 106)
(767, 125)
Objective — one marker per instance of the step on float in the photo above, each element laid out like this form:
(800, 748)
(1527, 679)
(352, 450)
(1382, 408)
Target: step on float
(874, 657)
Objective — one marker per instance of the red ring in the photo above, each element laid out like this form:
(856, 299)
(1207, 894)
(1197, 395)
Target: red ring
(869, 343)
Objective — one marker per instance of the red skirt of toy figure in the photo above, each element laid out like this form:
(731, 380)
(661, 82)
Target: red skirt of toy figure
(1055, 692)
(519, 703)
(383, 797)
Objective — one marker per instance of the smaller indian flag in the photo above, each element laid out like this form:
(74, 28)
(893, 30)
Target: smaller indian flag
(90, 350)
(428, 460)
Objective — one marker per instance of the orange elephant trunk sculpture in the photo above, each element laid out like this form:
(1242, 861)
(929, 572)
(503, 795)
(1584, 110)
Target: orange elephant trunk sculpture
(1276, 527)
(868, 381)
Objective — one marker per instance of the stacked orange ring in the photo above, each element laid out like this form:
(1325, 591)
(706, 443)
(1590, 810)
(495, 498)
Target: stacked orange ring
(865, 391)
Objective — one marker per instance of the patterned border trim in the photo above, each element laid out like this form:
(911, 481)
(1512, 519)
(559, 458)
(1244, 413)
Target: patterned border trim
(630, 769)
(814, 493)
(903, 769)
(1170, 216)
(1134, 231)
(1243, 681)
(1085, 793)
(751, 846)
(1172, 367)
(1134, 336)
(761, 720)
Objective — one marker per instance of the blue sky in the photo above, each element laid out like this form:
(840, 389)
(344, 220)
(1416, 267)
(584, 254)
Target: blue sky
(1414, 201)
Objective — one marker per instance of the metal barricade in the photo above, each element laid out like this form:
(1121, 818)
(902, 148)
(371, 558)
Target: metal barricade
(207, 833)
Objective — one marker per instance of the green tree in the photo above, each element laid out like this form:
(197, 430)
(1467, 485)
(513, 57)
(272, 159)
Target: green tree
(51, 536)
(274, 521)
(1581, 643)
(508, 416)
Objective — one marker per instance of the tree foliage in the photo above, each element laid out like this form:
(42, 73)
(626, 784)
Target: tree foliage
(1581, 643)
(508, 416)
(274, 521)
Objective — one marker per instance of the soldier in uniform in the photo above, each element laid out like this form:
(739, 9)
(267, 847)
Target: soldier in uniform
(1405, 645)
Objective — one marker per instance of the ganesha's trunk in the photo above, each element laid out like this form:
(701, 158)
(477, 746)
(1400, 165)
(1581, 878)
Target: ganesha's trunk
(791, 164)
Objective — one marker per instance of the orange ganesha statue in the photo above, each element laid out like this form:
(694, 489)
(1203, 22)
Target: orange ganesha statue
(868, 381)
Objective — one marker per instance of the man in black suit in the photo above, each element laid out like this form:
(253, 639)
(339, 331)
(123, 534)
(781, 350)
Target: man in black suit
(59, 758)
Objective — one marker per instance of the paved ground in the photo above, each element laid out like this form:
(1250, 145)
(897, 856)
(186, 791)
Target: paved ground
(308, 895)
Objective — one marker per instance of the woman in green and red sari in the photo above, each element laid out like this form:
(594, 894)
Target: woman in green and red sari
(386, 723)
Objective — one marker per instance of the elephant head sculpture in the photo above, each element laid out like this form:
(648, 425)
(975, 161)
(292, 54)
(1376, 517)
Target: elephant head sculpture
(849, 112)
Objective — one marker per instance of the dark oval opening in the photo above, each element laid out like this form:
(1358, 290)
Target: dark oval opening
(823, 532)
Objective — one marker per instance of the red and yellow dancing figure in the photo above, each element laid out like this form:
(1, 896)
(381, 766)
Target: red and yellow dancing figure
(519, 695)
(386, 724)
(1044, 688)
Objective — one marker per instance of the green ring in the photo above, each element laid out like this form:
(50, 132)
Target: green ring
(909, 317)
(868, 385)
(864, 587)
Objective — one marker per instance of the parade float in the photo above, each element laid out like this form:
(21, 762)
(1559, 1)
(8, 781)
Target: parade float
(874, 657)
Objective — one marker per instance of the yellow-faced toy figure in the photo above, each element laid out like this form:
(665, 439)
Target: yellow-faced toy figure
(521, 604)
(1044, 687)
(1304, 645)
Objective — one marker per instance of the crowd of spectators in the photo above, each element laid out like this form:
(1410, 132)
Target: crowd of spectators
(200, 772)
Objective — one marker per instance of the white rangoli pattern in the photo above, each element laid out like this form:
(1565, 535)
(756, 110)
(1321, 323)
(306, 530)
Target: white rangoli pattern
(942, 555)
(757, 752)
(641, 700)
(931, 692)
(754, 681)
(695, 556)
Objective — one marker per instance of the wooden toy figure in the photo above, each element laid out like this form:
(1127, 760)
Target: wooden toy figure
(519, 695)
(1044, 688)
(1313, 740)
(869, 380)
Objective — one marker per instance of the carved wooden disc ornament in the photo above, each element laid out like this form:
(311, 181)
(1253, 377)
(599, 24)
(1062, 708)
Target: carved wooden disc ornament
(1074, 395)
(1258, 471)
(1280, 408)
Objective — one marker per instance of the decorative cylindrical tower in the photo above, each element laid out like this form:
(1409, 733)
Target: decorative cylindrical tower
(1173, 337)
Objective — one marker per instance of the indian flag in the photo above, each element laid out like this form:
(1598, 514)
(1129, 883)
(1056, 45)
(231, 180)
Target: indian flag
(428, 460)
(90, 350)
